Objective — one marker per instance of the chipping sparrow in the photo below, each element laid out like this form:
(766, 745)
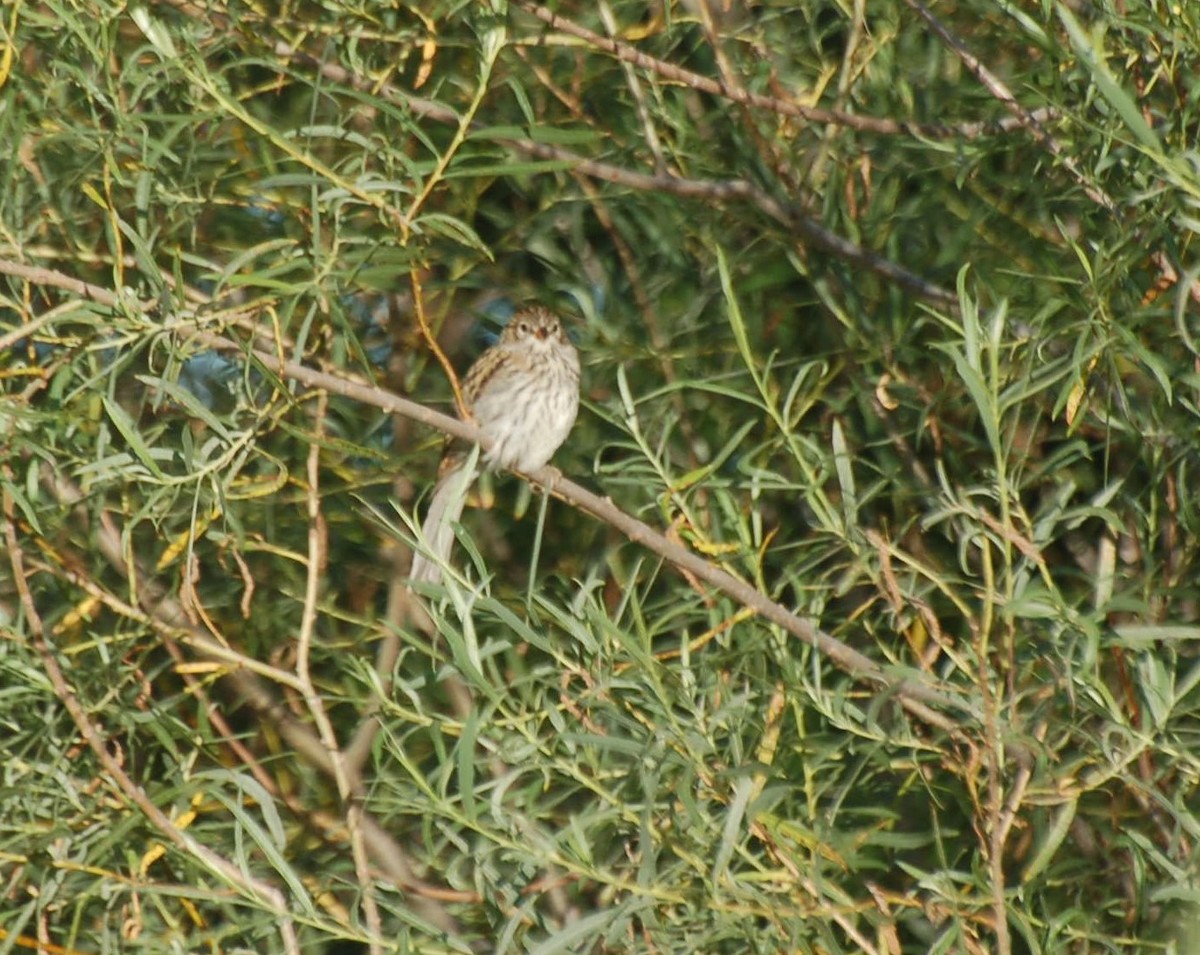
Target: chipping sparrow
(523, 393)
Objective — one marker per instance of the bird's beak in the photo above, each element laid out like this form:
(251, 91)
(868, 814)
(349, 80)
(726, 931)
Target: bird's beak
(541, 333)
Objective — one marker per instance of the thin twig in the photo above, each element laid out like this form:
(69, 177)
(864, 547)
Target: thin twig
(649, 133)
(318, 539)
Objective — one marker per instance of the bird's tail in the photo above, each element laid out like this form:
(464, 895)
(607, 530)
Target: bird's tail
(437, 530)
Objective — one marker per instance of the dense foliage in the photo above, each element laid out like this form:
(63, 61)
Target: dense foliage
(888, 311)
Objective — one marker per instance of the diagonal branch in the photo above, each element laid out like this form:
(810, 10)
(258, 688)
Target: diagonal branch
(915, 695)
(784, 107)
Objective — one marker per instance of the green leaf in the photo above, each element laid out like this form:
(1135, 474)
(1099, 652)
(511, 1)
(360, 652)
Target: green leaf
(129, 431)
(1090, 50)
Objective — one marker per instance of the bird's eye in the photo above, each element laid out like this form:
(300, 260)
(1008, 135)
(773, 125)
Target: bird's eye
(523, 328)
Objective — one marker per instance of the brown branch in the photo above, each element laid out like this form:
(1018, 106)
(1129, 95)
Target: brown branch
(348, 785)
(833, 117)
(916, 695)
(743, 97)
(791, 215)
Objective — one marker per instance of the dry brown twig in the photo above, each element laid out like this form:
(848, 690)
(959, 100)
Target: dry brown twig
(263, 892)
(249, 682)
(1029, 121)
(347, 785)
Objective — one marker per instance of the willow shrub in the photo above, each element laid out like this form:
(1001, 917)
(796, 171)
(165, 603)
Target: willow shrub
(919, 366)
